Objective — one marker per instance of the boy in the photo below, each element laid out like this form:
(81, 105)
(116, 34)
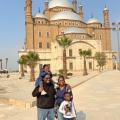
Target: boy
(67, 107)
(43, 71)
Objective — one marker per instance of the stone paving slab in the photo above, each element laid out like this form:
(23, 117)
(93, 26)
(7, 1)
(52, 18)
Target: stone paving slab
(96, 99)
(99, 98)
(17, 92)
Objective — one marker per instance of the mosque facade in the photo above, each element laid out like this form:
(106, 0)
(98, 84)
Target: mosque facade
(61, 17)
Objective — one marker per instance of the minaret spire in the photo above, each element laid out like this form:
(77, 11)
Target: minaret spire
(106, 17)
(75, 5)
(81, 11)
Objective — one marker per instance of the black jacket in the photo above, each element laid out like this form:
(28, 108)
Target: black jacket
(45, 101)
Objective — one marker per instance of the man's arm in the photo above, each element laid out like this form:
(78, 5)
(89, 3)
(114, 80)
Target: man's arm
(37, 91)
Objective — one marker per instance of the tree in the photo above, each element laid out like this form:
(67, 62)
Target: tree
(22, 61)
(32, 59)
(64, 42)
(101, 59)
(84, 54)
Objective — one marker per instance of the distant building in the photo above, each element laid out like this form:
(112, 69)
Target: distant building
(61, 17)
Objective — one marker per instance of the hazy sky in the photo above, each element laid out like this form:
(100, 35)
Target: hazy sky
(12, 27)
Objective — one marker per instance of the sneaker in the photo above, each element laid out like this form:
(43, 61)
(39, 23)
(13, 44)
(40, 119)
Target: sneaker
(43, 93)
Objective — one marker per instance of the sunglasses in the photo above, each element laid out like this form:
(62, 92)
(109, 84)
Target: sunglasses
(47, 78)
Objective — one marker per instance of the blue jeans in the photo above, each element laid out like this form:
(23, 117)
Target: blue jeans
(68, 119)
(45, 113)
(60, 116)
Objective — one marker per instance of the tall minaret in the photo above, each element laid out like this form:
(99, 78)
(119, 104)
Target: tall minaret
(75, 5)
(81, 12)
(29, 43)
(46, 4)
(107, 40)
(28, 9)
(106, 17)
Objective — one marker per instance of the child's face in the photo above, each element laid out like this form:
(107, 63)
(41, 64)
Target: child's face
(67, 97)
(46, 69)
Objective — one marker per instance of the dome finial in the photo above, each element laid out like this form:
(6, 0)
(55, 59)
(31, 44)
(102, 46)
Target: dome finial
(91, 15)
(105, 7)
(39, 9)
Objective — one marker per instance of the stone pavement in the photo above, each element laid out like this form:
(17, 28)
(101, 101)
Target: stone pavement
(96, 99)
(99, 98)
(17, 92)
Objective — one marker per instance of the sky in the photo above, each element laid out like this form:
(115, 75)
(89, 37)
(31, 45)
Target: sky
(12, 24)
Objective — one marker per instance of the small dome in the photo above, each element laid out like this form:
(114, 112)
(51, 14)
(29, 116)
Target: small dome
(105, 9)
(60, 3)
(93, 20)
(66, 15)
(40, 15)
(73, 30)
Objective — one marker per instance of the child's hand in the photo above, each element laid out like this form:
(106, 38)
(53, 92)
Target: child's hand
(66, 110)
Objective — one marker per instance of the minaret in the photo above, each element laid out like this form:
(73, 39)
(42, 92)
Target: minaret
(28, 9)
(106, 17)
(81, 12)
(107, 41)
(29, 43)
(75, 5)
(46, 4)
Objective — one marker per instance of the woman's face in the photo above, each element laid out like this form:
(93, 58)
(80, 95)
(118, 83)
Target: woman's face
(61, 81)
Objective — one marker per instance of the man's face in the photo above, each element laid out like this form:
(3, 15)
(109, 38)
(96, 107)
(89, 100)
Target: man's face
(46, 69)
(46, 79)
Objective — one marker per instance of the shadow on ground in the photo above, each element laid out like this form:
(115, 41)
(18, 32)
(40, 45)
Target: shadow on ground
(81, 115)
(2, 90)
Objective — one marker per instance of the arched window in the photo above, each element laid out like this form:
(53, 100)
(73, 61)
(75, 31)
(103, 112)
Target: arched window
(90, 65)
(48, 45)
(70, 53)
(48, 34)
(40, 34)
(71, 66)
(40, 44)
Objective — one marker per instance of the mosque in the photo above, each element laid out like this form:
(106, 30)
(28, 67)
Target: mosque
(61, 17)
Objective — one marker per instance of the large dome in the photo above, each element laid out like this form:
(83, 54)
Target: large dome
(93, 20)
(73, 30)
(60, 3)
(66, 15)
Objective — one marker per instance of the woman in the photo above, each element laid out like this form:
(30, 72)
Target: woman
(62, 88)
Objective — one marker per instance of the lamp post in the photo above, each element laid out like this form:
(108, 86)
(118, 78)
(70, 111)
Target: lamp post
(116, 27)
(1, 63)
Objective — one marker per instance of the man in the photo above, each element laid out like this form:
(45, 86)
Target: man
(45, 103)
